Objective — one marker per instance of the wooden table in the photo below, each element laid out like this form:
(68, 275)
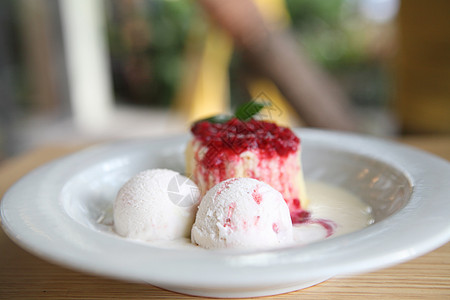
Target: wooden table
(24, 276)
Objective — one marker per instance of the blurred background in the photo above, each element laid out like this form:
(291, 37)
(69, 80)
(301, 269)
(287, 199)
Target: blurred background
(84, 71)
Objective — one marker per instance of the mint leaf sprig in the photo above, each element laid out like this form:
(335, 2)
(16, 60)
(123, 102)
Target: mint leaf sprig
(244, 113)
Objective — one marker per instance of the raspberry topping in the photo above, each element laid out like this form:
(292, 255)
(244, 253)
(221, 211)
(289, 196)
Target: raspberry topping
(239, 136)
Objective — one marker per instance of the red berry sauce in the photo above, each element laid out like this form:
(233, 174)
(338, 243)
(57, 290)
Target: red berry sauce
(225, 140)
(304, 217)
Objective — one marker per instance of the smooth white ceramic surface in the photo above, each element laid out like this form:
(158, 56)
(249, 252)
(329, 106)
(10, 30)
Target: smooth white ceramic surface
(53, 212)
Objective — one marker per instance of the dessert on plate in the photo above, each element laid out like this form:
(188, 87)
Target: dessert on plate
(248, 175)
(237, 147)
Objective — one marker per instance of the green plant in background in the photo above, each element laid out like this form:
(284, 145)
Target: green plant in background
(147, 40)
(335, 35)
(321, 27)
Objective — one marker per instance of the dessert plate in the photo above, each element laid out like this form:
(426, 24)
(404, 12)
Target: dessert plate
(54, 212)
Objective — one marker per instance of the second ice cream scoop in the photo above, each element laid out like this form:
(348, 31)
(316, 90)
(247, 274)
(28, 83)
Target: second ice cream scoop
(242, 213)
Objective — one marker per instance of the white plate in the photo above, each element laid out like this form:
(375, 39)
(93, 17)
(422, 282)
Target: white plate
(52, 213)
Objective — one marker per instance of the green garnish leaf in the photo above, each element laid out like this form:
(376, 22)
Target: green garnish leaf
(217, 119)
(246, 111)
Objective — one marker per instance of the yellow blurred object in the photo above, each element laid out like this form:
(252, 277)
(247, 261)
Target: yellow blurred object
(207, 91)
(274, 11)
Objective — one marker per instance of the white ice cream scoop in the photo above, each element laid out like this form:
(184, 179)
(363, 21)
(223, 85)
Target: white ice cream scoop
(156, 204)
(242, 213)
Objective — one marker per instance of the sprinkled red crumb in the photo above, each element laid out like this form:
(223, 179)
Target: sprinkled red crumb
(275, 227)
(296, 203)
(257, 196)
(231, 209)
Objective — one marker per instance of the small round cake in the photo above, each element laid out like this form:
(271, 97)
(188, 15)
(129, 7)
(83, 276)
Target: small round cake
(156, 204)
(242, 213)
(253, 148)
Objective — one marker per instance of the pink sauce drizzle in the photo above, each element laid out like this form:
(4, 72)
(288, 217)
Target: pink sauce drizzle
(302, 216)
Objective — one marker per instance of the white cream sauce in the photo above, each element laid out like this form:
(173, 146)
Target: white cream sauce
(334, 204)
